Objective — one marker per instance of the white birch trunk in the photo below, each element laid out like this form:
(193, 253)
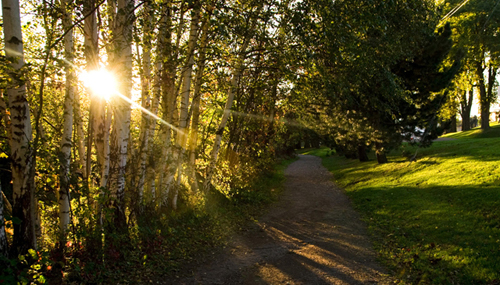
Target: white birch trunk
(146, 98)
(105, 166)
(121, 124)
(238, 69)
(98, 104)
(66, 142)
(193, 138)
(92, 63)
(21, 132)
(157, 83)
(185, 92)
(225, 117)
(168, 101)
(80, 143)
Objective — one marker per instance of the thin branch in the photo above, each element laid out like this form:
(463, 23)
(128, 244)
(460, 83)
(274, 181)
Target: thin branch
(58, 40)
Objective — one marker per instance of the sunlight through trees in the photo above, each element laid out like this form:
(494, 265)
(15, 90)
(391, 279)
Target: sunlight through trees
(129, 113)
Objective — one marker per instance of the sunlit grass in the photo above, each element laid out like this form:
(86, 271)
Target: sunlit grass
(436, 220)
(476, 133)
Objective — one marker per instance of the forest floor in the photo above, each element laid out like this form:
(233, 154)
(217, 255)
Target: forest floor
(311, 235)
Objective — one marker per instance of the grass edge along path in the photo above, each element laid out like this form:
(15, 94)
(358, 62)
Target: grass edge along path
(437, 220)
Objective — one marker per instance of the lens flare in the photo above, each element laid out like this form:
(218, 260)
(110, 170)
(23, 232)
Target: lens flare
(101, 82)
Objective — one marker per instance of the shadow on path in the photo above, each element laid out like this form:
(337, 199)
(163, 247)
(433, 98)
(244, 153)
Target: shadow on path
(311, 236)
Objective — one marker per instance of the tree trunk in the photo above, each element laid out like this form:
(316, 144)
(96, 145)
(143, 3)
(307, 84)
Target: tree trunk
(185, 92)
(238, 69)
(122, 37)
(105, 167)
(4, 246)
(168, 158)
(146, 99)
(99, 130)
(362, 153)
(193, 139)
(466, 106)
(380, 152)
(157, 92)
(20, 142)
(453, 126)
(492, 73)
(66, 142)
(483, 97)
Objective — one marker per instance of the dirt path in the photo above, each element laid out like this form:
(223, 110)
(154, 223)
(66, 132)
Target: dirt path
(311, 236)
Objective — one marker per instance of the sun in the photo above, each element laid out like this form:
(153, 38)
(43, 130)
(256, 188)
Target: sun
(101, 82)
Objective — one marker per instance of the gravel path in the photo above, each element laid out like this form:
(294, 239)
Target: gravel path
(311, 236)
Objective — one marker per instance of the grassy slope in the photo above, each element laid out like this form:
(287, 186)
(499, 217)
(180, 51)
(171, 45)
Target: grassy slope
(437, 220)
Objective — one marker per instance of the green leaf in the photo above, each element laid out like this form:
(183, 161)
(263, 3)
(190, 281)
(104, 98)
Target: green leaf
(33, 254)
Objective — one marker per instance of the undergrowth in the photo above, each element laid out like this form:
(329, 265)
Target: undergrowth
(157, 247)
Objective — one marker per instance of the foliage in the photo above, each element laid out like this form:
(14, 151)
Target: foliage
(475, 26)
(160, 246)
(25, 269)
(377, 81)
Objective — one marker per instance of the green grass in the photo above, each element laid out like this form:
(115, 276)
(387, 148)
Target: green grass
(477, 133)
(436, 220)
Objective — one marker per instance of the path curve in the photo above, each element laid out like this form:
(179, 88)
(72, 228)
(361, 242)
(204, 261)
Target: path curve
(311, 236)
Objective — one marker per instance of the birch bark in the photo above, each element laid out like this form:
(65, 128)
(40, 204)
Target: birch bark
(185, 92)
(146, 98)
(169, 103)
(20, 142)
(121, 125)
(193, 137)
(66, 142)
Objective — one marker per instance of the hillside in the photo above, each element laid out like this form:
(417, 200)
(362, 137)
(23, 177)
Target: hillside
(436, 220)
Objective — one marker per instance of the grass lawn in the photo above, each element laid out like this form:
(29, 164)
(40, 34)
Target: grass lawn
(436, 220)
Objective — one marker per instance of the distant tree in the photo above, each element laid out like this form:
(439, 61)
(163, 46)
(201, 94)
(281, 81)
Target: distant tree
(380, 87)
(424, 76)
(464, 92)
(477, 24)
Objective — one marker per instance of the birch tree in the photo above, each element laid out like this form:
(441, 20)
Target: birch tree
(146, 120)
(122, 60)
(66, 141)
(21, 133)
(169, 94)
(237, 70)
(157, 83)
(195, 106)
(98, 130)
(185, 95)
